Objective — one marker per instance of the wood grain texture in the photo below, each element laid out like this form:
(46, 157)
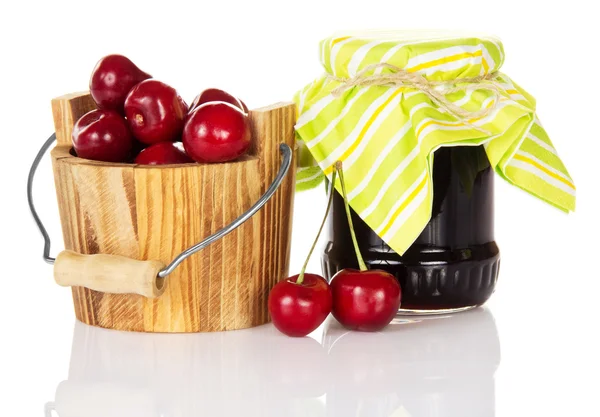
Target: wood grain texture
(154, 213)
(66, 110)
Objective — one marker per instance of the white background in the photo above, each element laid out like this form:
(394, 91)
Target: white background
(546, 303)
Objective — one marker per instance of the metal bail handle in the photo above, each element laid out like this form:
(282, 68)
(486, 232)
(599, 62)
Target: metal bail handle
(117, 268)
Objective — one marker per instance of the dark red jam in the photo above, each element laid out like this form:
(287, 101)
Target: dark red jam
(454, 263)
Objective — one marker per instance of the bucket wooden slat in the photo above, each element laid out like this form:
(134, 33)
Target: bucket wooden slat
(66, 110)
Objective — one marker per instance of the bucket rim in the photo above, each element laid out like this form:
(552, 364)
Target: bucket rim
(64, 153)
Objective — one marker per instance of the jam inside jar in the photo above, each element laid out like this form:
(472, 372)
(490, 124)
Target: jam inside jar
(453, 264)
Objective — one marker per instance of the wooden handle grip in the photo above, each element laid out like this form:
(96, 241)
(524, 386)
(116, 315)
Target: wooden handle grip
(109, 273)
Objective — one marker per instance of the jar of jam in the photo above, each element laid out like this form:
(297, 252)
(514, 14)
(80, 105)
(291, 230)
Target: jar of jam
(420, 123)
(453, 264)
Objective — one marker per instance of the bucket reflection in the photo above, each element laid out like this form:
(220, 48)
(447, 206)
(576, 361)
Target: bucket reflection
(435, 367)
(256, 372)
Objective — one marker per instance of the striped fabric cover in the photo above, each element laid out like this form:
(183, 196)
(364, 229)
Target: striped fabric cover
(386, 136)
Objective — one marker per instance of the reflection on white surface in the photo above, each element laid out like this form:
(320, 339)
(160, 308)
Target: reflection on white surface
(435, 367)
(420, 367)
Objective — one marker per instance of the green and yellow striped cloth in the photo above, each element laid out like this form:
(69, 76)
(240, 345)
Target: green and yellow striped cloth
(386, 135)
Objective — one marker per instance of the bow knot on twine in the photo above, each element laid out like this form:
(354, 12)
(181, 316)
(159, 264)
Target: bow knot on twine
(435, 90)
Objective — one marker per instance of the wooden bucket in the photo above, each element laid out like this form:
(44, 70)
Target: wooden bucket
(155, 213)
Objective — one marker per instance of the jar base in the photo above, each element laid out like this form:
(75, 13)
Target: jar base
(433, 281)
(425, 312)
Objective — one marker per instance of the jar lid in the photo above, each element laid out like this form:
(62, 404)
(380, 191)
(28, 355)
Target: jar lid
(438, 55)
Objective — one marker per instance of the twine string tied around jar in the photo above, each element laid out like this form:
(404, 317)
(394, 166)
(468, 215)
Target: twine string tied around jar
(435, 90)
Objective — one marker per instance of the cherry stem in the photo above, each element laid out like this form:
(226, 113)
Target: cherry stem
(312, 248)
(361, 262)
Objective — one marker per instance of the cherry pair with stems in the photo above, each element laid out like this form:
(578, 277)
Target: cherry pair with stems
(363, 299)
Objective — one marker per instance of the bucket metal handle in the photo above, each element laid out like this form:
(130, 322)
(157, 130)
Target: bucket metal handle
(118, 274)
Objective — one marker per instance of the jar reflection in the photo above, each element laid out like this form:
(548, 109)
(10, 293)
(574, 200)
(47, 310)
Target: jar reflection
(435, 367)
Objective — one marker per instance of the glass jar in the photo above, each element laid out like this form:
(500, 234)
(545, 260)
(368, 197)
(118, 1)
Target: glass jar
(453, 264)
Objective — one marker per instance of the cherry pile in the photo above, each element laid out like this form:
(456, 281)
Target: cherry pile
(365, 300)
(145, 121)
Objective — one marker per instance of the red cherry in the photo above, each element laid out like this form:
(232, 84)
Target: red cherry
(112, 79)
(163, 153)
(214, 94)
(155, 112)
(216, 132)
(298, 309)
(102, 135)
(365, 300)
